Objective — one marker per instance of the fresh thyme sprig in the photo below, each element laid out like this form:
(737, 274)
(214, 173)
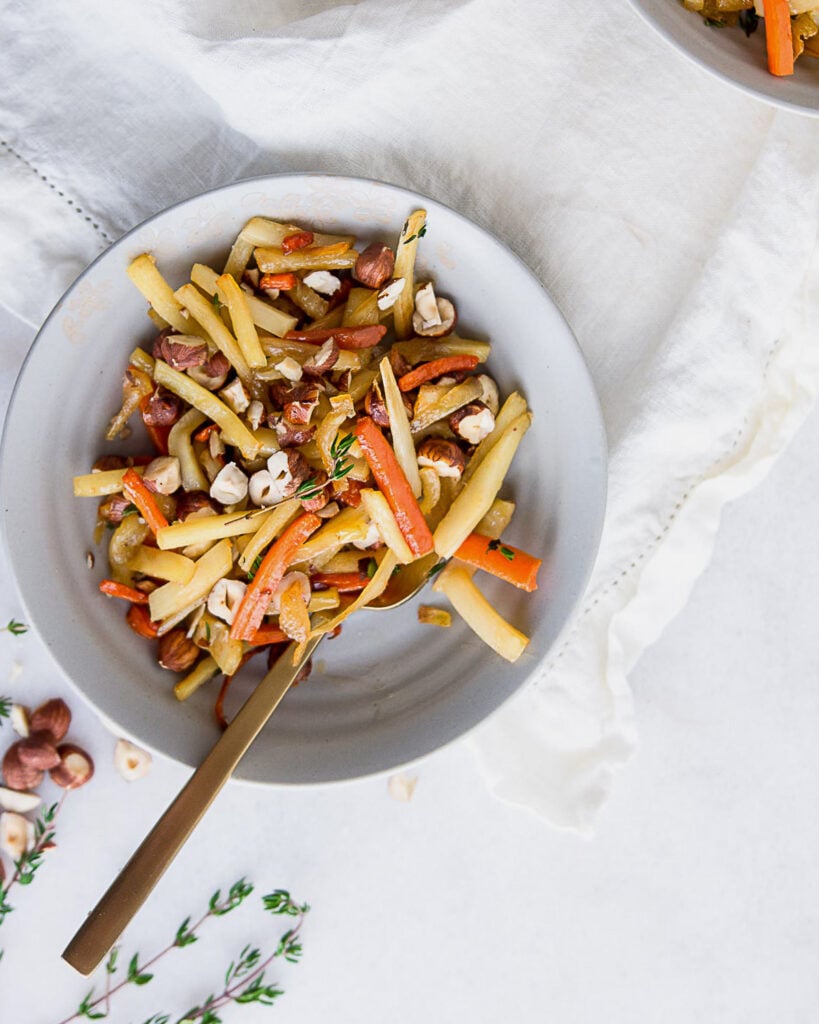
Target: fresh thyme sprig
(31, 861)
(5, 707)
(244, 979)
(14, 627)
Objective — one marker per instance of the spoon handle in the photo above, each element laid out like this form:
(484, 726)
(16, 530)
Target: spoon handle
(131, 887)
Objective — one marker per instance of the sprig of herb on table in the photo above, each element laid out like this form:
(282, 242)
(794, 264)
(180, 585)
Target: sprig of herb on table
(5, 707)
(31, 861)
(14, 627)
(244, 980)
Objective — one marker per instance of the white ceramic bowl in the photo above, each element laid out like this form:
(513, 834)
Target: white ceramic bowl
(728, 54)
(389, 690)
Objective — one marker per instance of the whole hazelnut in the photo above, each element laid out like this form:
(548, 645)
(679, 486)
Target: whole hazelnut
(54, 716)
(17, 775)
(374, 265)
(75, 767)
(38, 751)
(445, 457)
(176, 651)
(111, 508)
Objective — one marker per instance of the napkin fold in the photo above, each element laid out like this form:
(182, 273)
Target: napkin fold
(673, 219)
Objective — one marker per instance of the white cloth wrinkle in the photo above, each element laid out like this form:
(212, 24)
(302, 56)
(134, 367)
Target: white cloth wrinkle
(673, 220)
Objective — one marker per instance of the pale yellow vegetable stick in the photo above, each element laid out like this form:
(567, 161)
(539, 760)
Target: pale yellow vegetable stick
(450, 401)
(264, 315)
(163, 565)
(422, 350)
(203, 312)
(180, 446)
(140, 358)
(402, 441)
(476, 498)
(98, 485)
(262, 231)
(209, 528)
(274, 261)
(275, 523)
(381, 515)
(233, 430)
(324, 600)
(361, 308)
(405, 267)
(169, 599)
(456, 583)
(147, 278)
(205, 669)
(242, 320)
(308, 300)
(239, 257)
(349, 525)
(514, 406)
(430, 489)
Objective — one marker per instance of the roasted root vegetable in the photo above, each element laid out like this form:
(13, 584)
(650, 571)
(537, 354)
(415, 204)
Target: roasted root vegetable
(312, 445)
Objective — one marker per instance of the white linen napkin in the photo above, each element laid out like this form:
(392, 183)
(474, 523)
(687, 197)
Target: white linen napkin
(673, 220)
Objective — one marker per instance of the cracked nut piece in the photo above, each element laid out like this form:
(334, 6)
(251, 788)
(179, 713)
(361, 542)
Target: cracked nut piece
(38, 751)
(445, 457)
(181, 351)
(75, 767)
(54, 716)
(131, 761)
(389, 293)
(374, 265)
(194, 501)
(212, 374)
(176, 651)
(323, 361)
(472, 422)
(16, 834)
(111, 509)
(21, 802)
(433, 317)
(162, 409)
(17, 775)
(163, 475)
(19, 718)
(225, 598)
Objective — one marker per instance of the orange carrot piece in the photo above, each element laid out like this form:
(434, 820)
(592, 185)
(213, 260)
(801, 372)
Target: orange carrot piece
(344, 582)
(284, 282)
(134, 488)
(345, 337)
(779, 37)
(393, 484)
(297, 241)
(158, 435)
(267, 634)
(437, 368)
(113, 589)
(269, 575)
(140, 621)
(502, 560)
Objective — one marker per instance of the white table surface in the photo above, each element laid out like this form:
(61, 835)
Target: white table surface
(697, 900)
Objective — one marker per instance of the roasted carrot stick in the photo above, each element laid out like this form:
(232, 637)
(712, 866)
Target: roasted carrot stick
(204, 433)
(344, 582)
(135, 489)
(297, 241)
(269, 575)
(345, 337)
(140, 621)
(394, 485)
(113, 589)
(157, 434)
(284, 282)
(267, 634)
(502, 560)
(437, 368)
(778, 37)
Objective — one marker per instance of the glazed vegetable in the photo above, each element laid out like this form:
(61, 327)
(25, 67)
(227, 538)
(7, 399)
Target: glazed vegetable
(502, 560)
(778, 37)
(136, 490)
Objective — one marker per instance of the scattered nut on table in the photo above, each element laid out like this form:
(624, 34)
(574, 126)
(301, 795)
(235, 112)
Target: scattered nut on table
(131, 761)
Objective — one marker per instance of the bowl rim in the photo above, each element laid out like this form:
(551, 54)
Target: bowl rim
(597, 429)
(768, 95)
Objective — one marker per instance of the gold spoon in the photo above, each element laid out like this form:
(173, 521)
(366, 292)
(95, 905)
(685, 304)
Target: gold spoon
(133, 885)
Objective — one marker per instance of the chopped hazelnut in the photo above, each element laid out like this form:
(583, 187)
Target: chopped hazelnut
(445, 457)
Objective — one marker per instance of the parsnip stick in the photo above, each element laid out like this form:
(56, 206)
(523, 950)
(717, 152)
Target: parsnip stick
(274, 261)
(405, 267)
(145, 275)
(242, 320)
(203, 312)
(453, 399)
(209, 528)
(163, 565)
(384, 521)
(265, 232)
(496, 519)
(205, 669)
(402, 441)
(512, 408)
(180, 446)
(264, 315)
(233, 430)
(98, 485)
(172, 597)
(476, 498)
(455, 582)
(420, 350)
(279, 518)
